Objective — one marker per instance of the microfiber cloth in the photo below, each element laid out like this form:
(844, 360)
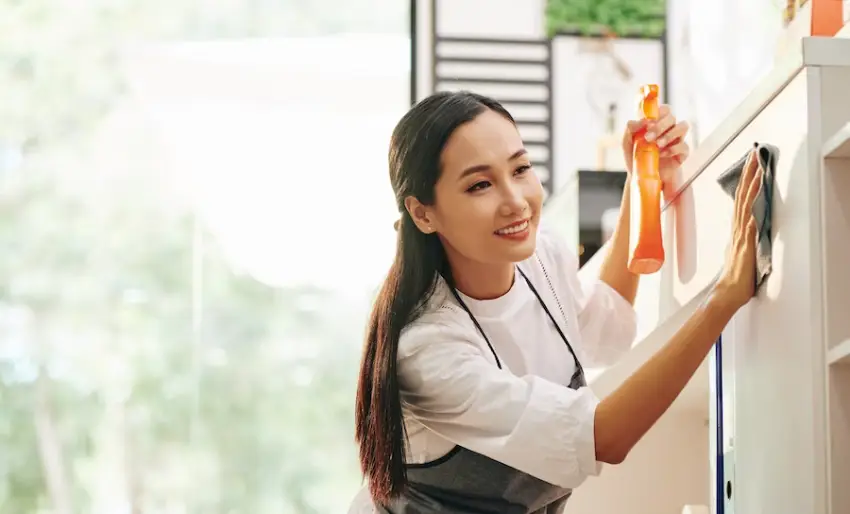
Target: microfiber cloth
(768, 155)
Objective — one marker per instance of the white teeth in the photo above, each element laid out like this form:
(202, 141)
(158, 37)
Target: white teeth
(514, 229)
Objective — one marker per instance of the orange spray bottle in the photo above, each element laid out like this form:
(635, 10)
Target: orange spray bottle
(646, 247)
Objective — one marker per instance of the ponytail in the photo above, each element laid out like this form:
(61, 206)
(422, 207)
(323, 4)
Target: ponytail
(379, 424)
(416, 147)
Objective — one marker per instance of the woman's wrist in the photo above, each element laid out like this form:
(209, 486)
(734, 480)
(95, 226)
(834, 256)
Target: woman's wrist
(721, 302)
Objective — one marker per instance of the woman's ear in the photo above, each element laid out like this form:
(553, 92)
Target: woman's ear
(420, 214)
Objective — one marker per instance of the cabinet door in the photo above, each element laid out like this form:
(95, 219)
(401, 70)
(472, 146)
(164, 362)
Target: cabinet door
(703, 211)
(777, 382)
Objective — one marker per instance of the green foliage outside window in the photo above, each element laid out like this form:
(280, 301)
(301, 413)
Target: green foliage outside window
(643, 18)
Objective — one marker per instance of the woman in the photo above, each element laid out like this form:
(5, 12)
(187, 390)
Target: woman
(472, 395)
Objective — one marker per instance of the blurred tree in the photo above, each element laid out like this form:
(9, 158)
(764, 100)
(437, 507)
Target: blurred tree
(131, 379)
(620, 17)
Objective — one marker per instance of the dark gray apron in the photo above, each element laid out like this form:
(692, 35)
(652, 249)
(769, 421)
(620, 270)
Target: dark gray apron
(465, 482)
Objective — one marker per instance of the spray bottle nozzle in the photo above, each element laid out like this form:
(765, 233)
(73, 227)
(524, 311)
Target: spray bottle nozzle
(649, 101)
(649, 91)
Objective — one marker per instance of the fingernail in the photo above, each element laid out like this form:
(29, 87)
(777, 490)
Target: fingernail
(650, 136)
(662, 142)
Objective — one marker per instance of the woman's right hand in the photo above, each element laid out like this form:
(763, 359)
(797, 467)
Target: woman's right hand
(737, 281)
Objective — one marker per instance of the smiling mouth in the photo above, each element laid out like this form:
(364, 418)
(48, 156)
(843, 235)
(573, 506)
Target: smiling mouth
(513, 229)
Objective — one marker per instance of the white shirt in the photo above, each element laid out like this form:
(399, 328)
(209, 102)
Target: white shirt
(522, 415)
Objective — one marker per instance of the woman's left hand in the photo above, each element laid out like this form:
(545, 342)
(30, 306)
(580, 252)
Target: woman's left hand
(670, 137)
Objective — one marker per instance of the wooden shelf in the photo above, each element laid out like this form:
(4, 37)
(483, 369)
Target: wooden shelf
(839, 355)
(838, 146)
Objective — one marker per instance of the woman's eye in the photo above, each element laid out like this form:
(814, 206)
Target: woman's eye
(522, 169)
(478, 186)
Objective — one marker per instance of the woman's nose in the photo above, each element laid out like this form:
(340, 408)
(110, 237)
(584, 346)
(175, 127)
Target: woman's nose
(513, 201)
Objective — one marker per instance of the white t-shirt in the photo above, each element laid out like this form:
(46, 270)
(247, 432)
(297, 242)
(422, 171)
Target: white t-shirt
(522, 415)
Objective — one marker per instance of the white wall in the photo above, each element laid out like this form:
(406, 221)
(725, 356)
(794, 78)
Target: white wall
(658, 477)
(491, 18)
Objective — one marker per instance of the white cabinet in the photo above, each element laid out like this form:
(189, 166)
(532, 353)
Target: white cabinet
(789, 357)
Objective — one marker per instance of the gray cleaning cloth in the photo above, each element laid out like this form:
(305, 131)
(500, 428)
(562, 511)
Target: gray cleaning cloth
(728, 180)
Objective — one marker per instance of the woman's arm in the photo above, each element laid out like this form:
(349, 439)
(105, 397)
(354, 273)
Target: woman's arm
(624, 416)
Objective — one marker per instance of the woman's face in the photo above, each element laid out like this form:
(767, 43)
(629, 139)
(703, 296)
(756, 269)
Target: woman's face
(488, 199)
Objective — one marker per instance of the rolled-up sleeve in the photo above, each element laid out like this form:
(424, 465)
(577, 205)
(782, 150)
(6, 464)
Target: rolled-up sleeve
(607, 321)
(452, 388)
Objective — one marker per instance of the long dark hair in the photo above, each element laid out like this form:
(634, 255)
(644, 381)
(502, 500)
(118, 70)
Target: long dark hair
(414, 160)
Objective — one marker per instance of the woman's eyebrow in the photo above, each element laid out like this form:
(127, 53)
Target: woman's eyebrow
(485, 167)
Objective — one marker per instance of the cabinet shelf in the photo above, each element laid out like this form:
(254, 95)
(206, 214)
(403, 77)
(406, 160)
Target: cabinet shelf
(839, 355)
(838, 146)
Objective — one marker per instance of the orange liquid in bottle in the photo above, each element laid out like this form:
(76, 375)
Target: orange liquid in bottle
(646, 246)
